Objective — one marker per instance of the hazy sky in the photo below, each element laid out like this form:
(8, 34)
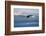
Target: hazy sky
(25, 11)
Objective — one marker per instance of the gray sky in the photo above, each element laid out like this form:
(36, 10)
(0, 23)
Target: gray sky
(24, 11)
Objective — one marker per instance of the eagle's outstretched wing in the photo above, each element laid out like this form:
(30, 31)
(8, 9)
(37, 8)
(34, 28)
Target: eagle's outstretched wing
(29, 16)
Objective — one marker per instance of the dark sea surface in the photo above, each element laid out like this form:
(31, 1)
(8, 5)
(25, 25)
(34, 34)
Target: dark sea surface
(23, 21)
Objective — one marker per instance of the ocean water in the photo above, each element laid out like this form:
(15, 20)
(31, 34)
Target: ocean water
(23, 21)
